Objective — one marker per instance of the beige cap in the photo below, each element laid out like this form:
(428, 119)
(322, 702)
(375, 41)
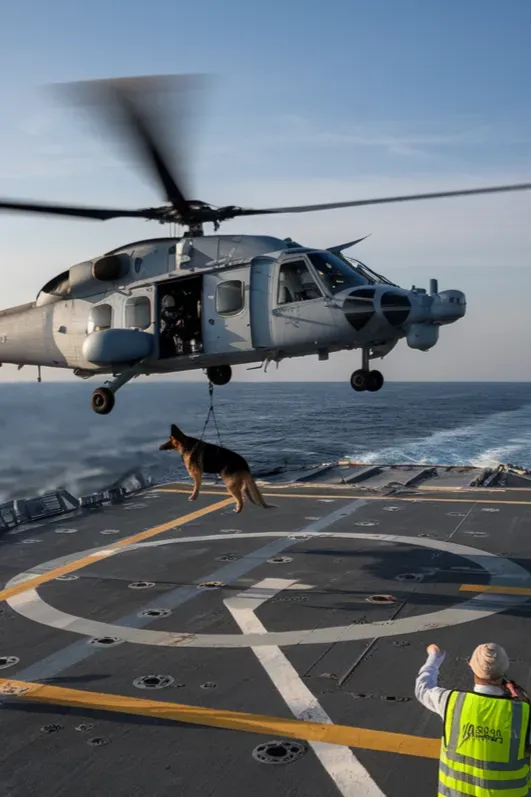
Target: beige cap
(489, 661)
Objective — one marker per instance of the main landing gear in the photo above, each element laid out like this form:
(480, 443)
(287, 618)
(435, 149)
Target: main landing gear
(102, 400)
(364, 379)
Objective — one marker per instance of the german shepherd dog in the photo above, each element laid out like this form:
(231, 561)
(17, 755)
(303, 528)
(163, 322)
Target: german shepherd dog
(200, 457)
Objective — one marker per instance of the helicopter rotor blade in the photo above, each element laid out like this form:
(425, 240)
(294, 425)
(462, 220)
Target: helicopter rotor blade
(383, 200)
(138, 109)
(99, 214)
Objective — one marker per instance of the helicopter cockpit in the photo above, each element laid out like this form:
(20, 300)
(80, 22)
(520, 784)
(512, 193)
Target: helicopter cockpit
(335, 275)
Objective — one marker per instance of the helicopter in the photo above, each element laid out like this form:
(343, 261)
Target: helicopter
(211, 302)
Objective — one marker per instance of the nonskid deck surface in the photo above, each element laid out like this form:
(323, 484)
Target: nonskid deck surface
(155, 645)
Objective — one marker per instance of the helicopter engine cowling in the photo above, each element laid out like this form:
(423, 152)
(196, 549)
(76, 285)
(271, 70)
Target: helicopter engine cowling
(113, 346)
(422, 336)
(110, 267)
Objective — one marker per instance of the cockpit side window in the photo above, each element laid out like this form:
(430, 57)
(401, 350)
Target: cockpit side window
(296, 284)
(100, 318)
(335, 274)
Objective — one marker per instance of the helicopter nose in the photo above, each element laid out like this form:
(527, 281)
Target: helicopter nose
(448, 306)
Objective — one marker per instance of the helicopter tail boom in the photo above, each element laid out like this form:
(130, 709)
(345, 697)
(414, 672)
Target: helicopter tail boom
(27, 337)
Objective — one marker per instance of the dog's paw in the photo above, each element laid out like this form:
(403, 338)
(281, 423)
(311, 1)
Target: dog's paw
(192, 497)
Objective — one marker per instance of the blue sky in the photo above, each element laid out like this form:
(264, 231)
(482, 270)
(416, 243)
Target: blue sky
(311, 102)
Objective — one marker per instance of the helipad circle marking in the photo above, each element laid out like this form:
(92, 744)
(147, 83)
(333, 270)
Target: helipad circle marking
(29, 604)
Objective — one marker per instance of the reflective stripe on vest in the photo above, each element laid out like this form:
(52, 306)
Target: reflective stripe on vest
(483, 749)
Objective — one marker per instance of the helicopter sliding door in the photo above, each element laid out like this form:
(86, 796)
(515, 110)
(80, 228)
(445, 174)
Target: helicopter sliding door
(302, 316)
(262, 277)
(225, 317)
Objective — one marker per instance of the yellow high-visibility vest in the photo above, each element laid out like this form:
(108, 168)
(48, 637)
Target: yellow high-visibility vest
(483, 749)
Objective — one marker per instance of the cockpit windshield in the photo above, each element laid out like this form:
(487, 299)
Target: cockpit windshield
(335, 274)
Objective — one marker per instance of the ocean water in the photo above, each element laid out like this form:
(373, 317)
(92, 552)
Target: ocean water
(50, 437)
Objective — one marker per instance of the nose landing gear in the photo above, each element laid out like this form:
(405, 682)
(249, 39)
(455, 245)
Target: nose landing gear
(364, 379)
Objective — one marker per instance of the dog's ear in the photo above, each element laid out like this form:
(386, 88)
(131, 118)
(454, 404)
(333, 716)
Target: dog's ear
(166, 446)
(174, 431)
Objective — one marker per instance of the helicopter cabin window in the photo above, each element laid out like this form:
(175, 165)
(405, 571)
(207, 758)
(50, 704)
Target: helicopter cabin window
(100, 318)
(335, 274)
(138, 312)
(296, 284)
(229, 297)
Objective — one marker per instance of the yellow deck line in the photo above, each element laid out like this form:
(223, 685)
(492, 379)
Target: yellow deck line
(495, 588)
(109, 550)
(218, 718)
(353, 496)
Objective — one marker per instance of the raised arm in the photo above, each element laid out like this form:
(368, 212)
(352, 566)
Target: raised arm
(427, 692)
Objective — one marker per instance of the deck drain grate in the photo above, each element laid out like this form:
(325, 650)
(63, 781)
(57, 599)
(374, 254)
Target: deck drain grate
(208, 685)
(141, 585)
(8, 661)
(155, 613)
(279, 752)
(381, 599)
(105, 641)
(153, 681)
(291, 599)
(84, 728)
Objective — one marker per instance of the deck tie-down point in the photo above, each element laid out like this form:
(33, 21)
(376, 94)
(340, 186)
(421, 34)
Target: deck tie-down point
(381, 599)
(153, 681)
(279, 752)
(8, 661)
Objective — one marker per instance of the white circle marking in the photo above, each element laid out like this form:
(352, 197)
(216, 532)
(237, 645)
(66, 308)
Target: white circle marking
(30, 605)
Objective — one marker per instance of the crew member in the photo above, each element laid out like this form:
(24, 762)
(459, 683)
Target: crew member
(486, 732)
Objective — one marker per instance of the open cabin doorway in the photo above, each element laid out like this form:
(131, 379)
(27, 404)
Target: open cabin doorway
(179, 317)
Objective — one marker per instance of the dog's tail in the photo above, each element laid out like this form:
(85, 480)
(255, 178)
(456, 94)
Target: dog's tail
(254, 493)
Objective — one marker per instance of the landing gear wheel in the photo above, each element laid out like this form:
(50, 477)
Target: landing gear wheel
(358, 380)
(375, 381)
(219, 374)
(366, 380)
(102, 400)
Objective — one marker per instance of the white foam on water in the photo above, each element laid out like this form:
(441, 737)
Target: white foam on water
(482, 444)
